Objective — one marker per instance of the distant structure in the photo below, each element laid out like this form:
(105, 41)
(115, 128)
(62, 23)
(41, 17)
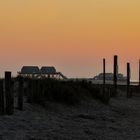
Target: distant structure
(44, 72)
(48, 70)
(109, 77)
(30, 71)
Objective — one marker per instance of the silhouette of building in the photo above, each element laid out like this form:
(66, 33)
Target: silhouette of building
(30, 70)
(109, 77)
(44, 72)
(48, 70)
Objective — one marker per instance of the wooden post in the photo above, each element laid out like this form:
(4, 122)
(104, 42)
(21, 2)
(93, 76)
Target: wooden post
(12, 92)
(20, 93)
(106, 95)
(8, 94)
(1, 98)
(104, 71)
(128, 80)
(104, 76)
(139, 72)
(115, 73)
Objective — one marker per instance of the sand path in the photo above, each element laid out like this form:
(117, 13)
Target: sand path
(91, 120)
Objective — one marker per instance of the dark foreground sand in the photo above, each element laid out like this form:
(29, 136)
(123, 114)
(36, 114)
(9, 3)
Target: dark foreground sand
(89, 121)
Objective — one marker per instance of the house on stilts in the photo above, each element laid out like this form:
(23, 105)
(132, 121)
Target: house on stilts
(44, 72)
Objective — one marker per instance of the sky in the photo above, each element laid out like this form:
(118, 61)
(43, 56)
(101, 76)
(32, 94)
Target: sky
(72, 35)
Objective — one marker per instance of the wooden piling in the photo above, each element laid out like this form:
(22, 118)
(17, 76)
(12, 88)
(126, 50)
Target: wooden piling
(1, 98)
(128, 80)
(106, 93)
(104, 76)
(20, 93)
(115, 74)
(8, 94)
(104, 67)
(139, 72)
(12, 92)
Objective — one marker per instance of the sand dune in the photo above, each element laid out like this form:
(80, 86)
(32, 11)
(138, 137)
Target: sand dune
(91, 120)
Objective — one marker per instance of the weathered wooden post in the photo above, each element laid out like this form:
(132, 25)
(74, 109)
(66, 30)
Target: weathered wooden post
(12, 92)
(106, 94)
(139, 72)
(104, 67)
(115, 73)
(8, 94)
(104, 76)
(1, 98)
(20, 93)
(128, 81)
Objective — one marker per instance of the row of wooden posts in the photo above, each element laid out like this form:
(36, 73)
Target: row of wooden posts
(129, 93)
(7, 95)
(7, 88)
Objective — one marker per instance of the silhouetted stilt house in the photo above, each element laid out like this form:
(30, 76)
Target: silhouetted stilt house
(44, 72)
(50, 72)
(30, 71)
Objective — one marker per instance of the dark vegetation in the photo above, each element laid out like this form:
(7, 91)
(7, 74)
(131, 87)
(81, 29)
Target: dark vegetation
(67, 92)
(39, 91)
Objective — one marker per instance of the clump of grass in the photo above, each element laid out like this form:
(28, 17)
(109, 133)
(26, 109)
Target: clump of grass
(66, 92)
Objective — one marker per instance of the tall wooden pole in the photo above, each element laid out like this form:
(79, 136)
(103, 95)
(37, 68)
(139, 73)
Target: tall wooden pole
(106, 95)
(8, 94)
(128, 80)
(104, 77)
(104, 67)
(139, 72)
(1, 98)
(115, 73)
(20, 93)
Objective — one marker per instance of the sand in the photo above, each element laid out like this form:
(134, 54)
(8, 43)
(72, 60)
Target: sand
(91, 120)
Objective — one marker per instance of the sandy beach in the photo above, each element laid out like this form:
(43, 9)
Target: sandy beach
(91, 120)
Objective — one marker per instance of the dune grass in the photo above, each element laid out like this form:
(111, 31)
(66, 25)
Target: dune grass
(67, 92)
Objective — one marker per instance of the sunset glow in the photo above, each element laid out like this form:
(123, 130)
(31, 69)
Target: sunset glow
(73, 35)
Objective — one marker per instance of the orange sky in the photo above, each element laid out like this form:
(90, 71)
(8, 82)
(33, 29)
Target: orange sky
(73, 35)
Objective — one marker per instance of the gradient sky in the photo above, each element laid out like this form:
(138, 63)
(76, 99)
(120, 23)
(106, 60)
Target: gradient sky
(73, 35)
